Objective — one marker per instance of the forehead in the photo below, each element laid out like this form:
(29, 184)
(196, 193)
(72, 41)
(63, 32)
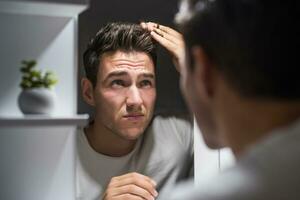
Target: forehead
(134, 62)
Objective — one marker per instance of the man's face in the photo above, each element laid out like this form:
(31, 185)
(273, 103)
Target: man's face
(125, 93)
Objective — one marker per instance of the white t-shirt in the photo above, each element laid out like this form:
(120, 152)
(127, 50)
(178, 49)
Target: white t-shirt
(270, 170)
(164, 153)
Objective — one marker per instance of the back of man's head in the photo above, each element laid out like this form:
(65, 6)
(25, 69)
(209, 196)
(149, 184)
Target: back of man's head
(251, 42)
(118, 36)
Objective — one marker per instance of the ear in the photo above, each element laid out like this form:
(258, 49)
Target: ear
(87, 91)
(203, 73)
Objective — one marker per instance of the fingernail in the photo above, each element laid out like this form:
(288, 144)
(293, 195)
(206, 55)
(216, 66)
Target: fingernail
(153, 182)
(155, 193)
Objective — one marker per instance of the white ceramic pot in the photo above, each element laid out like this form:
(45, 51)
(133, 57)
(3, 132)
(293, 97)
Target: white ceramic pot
(37, 101)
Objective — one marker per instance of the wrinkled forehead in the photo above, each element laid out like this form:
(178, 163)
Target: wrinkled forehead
(131, 62)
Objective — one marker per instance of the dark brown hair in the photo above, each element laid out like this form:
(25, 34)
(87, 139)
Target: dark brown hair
(116, 36)
(252, 42)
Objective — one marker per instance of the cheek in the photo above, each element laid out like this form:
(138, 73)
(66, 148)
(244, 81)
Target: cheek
(110, 100)
(149, 97)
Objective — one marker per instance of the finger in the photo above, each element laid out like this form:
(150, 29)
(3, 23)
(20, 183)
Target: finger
(164, 31)
(146, 185)
(147, 26)
(169, 37)
(174, 49)
(136, 179)
(135, 175)
(144, 25)
(122, 197)
(128, 197)
(151, 25)
(170, 46)
(134, 190)
(170, 31)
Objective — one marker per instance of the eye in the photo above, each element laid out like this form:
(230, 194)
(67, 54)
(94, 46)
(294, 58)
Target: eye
(117, 83)
(146, 83)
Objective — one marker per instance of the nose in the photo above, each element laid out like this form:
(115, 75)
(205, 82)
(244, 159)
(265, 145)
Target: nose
(134, 99)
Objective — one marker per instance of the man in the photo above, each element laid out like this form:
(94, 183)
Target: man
(240, 81)
(126, 153)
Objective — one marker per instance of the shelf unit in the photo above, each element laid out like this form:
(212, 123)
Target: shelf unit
(42, 8)
(48, 33)
(38, 151)
(43, 120)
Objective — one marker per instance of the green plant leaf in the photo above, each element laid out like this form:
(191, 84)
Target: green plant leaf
(33, 78)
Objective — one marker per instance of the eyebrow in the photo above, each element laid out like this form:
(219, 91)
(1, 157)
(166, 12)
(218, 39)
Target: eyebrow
(123, 73)
(148, 75)
(112, 74)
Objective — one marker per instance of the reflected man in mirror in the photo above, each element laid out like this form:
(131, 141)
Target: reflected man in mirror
(127, 152)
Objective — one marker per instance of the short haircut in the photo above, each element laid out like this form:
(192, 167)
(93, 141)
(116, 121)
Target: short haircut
(117, 36)
(253, 43)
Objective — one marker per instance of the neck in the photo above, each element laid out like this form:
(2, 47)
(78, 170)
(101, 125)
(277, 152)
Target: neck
(103, 140)
(244, 121)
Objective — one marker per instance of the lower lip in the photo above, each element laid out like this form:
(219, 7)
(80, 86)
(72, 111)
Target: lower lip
(134, 118)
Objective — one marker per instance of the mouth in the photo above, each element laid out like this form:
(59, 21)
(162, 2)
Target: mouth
(134, 117)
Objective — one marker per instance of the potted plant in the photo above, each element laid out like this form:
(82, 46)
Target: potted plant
(37, 96)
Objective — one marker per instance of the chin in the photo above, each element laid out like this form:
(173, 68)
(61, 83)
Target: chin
(213, 145)
(213, 141)
(132, 133)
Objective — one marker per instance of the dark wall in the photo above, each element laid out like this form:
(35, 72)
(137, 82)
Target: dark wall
(100, 12)
(56, 1)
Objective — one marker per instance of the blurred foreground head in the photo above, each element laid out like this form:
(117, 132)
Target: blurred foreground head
(237, 50)
(252, 42)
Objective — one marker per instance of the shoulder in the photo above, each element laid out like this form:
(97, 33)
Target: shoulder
(236, 184)
(179, 123)
(249, 179)
(176, 128)
(80, 136)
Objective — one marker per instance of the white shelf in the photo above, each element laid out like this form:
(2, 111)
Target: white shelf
(42, 8)
(43, 120)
